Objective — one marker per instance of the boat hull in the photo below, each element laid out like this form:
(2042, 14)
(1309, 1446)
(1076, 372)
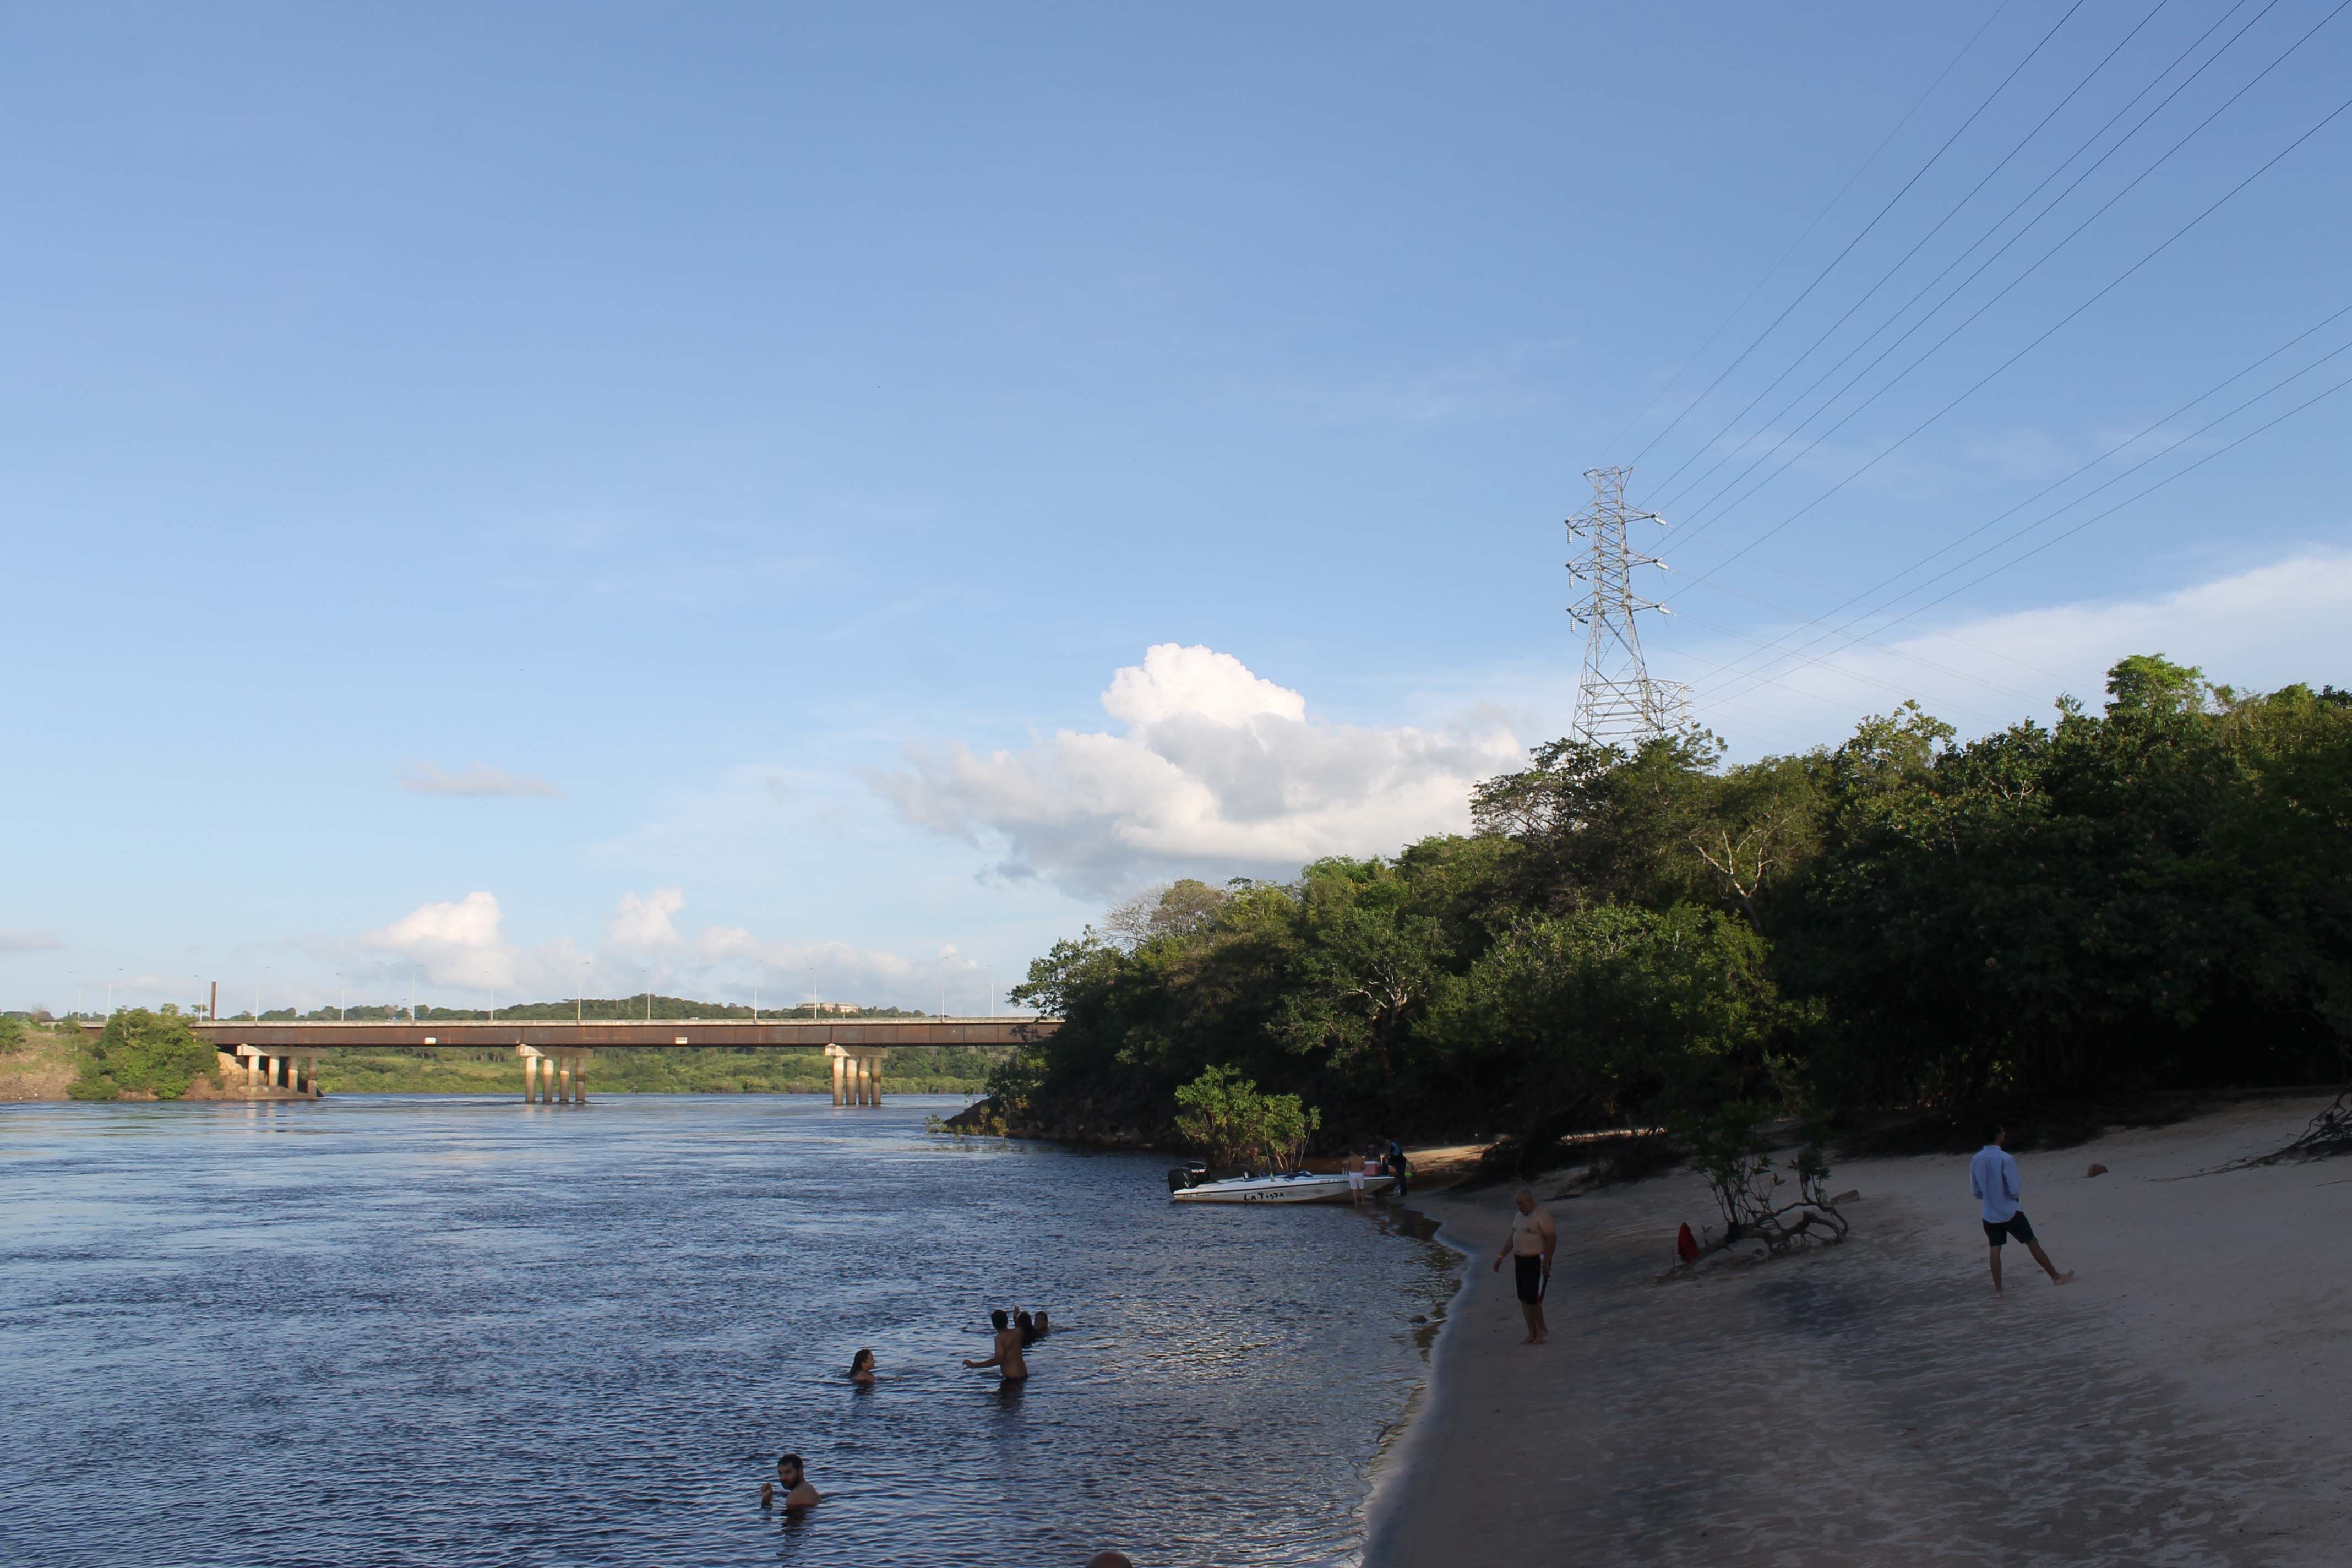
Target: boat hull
(1280, 1190)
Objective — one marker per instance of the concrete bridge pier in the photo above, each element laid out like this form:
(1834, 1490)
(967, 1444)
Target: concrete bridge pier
(554, 1074)
(257, 1074)
(857, 1074)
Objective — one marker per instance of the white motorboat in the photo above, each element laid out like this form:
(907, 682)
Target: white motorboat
(1293, 1187)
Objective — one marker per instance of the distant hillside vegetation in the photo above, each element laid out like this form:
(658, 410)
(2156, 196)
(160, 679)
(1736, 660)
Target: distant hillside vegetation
(594, 1009)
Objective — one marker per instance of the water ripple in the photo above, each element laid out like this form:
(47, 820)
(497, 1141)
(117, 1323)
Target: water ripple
(457, 1331)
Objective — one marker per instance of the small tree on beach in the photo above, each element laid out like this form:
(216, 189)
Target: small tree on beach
(1233, 1123)
(1755, 1197)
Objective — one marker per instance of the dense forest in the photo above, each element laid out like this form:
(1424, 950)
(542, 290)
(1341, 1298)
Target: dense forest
(2158, 897)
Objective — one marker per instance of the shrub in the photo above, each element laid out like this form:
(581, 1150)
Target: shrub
(1224, 1114)
(143, 1052)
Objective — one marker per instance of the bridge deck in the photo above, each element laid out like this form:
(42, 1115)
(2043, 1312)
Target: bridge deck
(608, 1035)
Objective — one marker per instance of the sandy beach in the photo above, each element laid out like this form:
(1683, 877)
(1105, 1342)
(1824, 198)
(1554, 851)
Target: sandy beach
(2182, 1402)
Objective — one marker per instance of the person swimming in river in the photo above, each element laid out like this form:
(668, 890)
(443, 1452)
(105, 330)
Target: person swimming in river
(1044, 1328)
(1028, 1327)
(861, 1368)
(1007, 1356)
(792, 1481)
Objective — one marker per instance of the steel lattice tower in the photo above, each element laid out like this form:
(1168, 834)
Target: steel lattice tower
(1616, 700)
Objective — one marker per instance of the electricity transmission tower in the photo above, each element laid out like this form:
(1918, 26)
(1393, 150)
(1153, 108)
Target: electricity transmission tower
(1616, 700)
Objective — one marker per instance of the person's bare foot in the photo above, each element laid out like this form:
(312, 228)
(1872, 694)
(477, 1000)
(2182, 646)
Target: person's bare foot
(2065, 1279)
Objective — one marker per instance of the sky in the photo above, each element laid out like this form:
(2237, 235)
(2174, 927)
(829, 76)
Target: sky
(758, 501)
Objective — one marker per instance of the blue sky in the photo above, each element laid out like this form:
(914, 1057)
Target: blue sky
(500, 499)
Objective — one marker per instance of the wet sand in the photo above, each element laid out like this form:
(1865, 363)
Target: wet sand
(2184, 1401)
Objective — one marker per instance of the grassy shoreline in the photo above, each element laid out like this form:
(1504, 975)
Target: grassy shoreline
(49, 1060)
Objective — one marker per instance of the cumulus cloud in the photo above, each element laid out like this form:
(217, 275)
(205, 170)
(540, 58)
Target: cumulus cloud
(462, 945)
(454, 943)
(23, 939)
(476, 779)
(1216, 769)
(643, 925)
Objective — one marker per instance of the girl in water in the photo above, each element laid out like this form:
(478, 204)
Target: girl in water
(861, 1368)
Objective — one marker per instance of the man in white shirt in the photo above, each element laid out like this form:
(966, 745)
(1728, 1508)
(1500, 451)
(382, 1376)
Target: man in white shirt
(1992, 1177)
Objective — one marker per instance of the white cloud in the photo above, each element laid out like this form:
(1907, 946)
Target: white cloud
(462, 945)
(1216, 771)
(23, 939)
(643, 925)
(454, 943)
(2256, 630)
(477, 779)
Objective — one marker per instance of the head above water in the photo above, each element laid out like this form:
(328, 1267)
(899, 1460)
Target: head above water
(1526, 1198)
(860, 1362)
(1110, 1559)
(999, 1320)
(788, 1469)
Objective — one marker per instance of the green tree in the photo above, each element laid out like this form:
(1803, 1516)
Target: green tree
(140, 1052)
(1612, 1014)
(1223, 1113)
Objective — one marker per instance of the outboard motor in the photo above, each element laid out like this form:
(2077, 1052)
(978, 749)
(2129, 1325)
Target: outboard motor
(1184, 1176)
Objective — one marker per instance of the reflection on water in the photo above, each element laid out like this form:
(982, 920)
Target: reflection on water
(457, 1331)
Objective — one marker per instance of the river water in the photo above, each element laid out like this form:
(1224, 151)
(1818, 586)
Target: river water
(389, 1330)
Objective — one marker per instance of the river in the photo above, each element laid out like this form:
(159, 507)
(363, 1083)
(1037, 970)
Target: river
(449, 1330)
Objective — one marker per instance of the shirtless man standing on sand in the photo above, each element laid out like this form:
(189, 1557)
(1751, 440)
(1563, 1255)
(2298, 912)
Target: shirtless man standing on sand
(1008, 1348)
(1533, 1241)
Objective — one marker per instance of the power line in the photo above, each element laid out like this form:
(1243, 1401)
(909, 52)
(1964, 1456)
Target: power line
(1701, 521)
(1884, 277)
(2047, 333)
(2064, 480)
(1865, 233)
(1773, 271)
(2069, 533)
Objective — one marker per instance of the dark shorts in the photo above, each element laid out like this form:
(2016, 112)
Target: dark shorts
(1531, 1279)
(2015, 1224)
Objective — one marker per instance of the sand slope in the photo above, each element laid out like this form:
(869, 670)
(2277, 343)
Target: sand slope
(2183, 1402)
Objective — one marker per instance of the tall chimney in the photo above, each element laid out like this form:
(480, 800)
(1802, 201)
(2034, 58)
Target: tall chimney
(212, 1009)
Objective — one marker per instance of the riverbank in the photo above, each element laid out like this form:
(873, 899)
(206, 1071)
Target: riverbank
(47, 1062)
(2181, 1401)
(40, 1067)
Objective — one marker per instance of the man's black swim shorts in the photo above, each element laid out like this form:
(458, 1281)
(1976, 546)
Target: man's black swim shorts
(2015, 1225)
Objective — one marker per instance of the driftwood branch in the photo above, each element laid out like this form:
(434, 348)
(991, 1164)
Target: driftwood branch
(2329, 1135)
(1815, 1223)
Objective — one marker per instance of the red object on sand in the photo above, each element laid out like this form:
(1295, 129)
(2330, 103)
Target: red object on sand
(1686, 1245)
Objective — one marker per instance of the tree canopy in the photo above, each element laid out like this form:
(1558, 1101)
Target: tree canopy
(2158, 895)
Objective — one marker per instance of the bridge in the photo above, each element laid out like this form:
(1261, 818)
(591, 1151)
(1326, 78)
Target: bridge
(280, 1060)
